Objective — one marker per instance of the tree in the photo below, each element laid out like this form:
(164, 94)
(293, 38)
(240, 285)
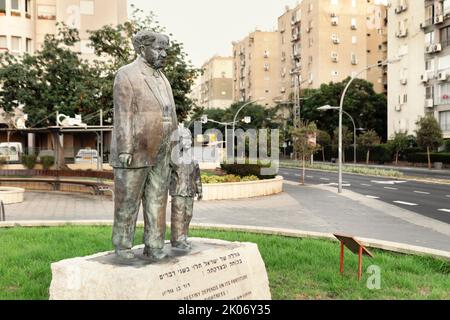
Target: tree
(55, 79)
(347, 139)
(368, 140)
(429, 134)
(368, 108)
(115, 43)
(323, 139)
(398, 143)
(303, 145)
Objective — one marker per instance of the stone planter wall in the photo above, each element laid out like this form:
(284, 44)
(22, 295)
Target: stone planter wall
(10, 195)
(242, 190)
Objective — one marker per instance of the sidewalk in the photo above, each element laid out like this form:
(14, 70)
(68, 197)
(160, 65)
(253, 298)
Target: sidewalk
(315, 209)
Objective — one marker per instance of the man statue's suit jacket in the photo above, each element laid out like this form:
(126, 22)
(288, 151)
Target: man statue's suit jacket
(138, 115)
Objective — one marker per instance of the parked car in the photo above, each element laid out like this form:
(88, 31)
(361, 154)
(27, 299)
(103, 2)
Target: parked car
(11, 151)
(86, 156)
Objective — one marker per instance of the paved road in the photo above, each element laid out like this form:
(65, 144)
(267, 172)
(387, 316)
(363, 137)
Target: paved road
(430, 200)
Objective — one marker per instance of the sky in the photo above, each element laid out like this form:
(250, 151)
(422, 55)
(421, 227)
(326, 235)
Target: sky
(208, 27)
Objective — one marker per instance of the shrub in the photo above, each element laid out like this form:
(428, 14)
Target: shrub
(208, 179)
(47, 162)
(29, 161)
(382, 153)
(243, 170)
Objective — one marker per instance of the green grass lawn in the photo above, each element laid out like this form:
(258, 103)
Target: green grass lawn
(297, 268)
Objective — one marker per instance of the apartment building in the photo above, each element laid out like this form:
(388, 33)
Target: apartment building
(325, 41)
(24, 23)
(419, 83)
(214, 89)
(256, 68)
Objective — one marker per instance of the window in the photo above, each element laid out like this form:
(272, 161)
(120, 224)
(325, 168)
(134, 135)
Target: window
(2, 7)
(429, 92)
(429, 65)
(445, 37)
(16, 44)
(446, 7)
(15, 5)
(444, 94)
(46, 12)
(29, 48)
(28, 7)
(429, 38)
(444, 120)
(3, 43)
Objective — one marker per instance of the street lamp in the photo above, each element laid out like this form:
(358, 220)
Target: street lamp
(341, 111)
(236, 115)
(328, 107)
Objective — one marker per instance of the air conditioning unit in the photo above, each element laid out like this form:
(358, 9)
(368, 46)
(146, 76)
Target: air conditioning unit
(398, 9)
(439, 19)
(424, 78)
(429, 49)
(442, 76)
(334, 57)
(404, 81)
(429, 103)
(283, 90)
(336, 40)
(437, 47)
(353, 26)
(334, 22)
(310, 81)
(333, 15)
(398, 107)
(354, 61)
(308, 29)
(402, 33)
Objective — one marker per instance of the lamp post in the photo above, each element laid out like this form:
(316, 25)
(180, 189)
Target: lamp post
(205, 120)
(341, 110)
(235, 117)
(328, 107)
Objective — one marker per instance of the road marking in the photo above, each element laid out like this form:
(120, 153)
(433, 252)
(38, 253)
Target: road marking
(421, 192)
(444, 210)
(310, 177)
(298, 175)
(406, 203)
(334, 184)
(388, 182)
(389, 188)
(366, 185)
(325, 179)
(373, 197)
(448, 196)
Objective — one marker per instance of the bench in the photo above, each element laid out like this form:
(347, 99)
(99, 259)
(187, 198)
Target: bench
(97, 187)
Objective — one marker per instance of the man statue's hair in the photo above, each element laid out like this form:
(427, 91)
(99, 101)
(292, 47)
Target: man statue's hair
(146, 37)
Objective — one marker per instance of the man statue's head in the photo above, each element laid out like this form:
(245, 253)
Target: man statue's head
(152, 47)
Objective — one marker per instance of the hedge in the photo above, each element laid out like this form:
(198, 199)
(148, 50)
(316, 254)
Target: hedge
(422, 157)
(244, 170)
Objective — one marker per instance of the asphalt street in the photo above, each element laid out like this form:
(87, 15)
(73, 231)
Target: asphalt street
(427, 199)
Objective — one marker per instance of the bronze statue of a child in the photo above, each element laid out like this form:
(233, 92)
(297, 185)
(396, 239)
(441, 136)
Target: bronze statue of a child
(185, 184)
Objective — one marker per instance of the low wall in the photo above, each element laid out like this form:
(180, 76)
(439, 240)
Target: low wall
(242, 190)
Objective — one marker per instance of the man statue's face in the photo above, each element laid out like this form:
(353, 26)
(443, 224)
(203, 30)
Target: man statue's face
(156, 53)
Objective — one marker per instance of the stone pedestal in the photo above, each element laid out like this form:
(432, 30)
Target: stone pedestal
(212, 270)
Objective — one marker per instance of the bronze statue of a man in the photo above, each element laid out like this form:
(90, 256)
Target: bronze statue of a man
(144, 119)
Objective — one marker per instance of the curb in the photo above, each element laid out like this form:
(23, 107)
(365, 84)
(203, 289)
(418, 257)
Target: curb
(371, 243)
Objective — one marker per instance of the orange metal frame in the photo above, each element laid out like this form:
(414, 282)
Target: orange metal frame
(360, 254)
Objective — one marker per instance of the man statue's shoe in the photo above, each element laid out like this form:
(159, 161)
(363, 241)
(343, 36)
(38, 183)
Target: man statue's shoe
(183, 245)
(155, 254)
(125, 254)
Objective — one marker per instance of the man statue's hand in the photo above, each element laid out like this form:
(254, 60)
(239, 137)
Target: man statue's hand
(199, 196)
(126, 159)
